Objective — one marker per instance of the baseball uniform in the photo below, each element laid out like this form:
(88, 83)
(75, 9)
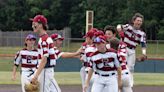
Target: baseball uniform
(28, 59)
(84, 64)
(122, 56)
(53, 86)
(105, 66)
(86, 57)
(132, 37)
(46, 78)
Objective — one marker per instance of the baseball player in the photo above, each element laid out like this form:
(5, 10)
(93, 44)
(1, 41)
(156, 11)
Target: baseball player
(120, 48)
(27, 58)
(88, 47)
(84, 65)
(132, 35)
(105, 64)
(110, 32)
(57, 42)
(47, 59)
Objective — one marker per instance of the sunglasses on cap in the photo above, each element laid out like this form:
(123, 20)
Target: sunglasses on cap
(98, 40)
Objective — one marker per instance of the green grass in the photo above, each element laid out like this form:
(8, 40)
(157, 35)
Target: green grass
(73, 78)
(149, 79)
(70, 78)
(63, 78)
(13, 50)
(9, 50)
(6, 64)
(153, 50)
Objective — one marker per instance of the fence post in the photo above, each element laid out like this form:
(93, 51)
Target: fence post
(22, 37)
(0, 38)
(157, 47)
(66, 32)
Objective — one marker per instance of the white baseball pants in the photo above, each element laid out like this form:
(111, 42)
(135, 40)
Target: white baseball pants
(47, 81)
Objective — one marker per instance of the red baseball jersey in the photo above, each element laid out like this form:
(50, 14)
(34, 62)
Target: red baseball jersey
(58, 53)
(88, 49)
(133, 37)
(46, 49)
(27, 59)
(104, 62)
(122, 55)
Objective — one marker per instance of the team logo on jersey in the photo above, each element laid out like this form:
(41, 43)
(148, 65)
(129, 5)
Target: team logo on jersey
(105, 62)
(29, 58)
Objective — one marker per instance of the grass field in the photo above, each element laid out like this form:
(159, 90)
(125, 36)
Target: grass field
(66, 78)
(12, 50)
(69, 78)
(154, 50)
(73, 78)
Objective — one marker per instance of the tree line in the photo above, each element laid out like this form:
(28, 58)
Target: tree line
(15, 14)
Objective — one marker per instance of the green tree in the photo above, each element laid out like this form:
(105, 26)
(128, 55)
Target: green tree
(15, 14)
(77, 19)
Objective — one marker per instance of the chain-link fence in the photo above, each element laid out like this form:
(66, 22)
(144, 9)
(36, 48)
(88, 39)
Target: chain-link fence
(13, 42)
(16, 38)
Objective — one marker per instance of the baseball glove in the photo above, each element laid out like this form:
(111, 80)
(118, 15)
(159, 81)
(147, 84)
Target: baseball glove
(141, 58)
(32, 87)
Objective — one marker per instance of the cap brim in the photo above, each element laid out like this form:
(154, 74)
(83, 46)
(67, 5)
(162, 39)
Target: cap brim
(34, 38)
(61, 38)
(97, 42)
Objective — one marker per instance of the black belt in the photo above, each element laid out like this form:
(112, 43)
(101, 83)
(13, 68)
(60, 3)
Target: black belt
(49, 66)
(125, 73)
(131, 47)
(105, 75)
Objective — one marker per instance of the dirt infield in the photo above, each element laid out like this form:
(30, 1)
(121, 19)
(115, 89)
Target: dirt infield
(77, 88)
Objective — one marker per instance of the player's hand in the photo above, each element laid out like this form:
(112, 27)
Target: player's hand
(13, 77)
(121, 34)
(119, 28)
(142, 58)
(34, 79)
(85, 87)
